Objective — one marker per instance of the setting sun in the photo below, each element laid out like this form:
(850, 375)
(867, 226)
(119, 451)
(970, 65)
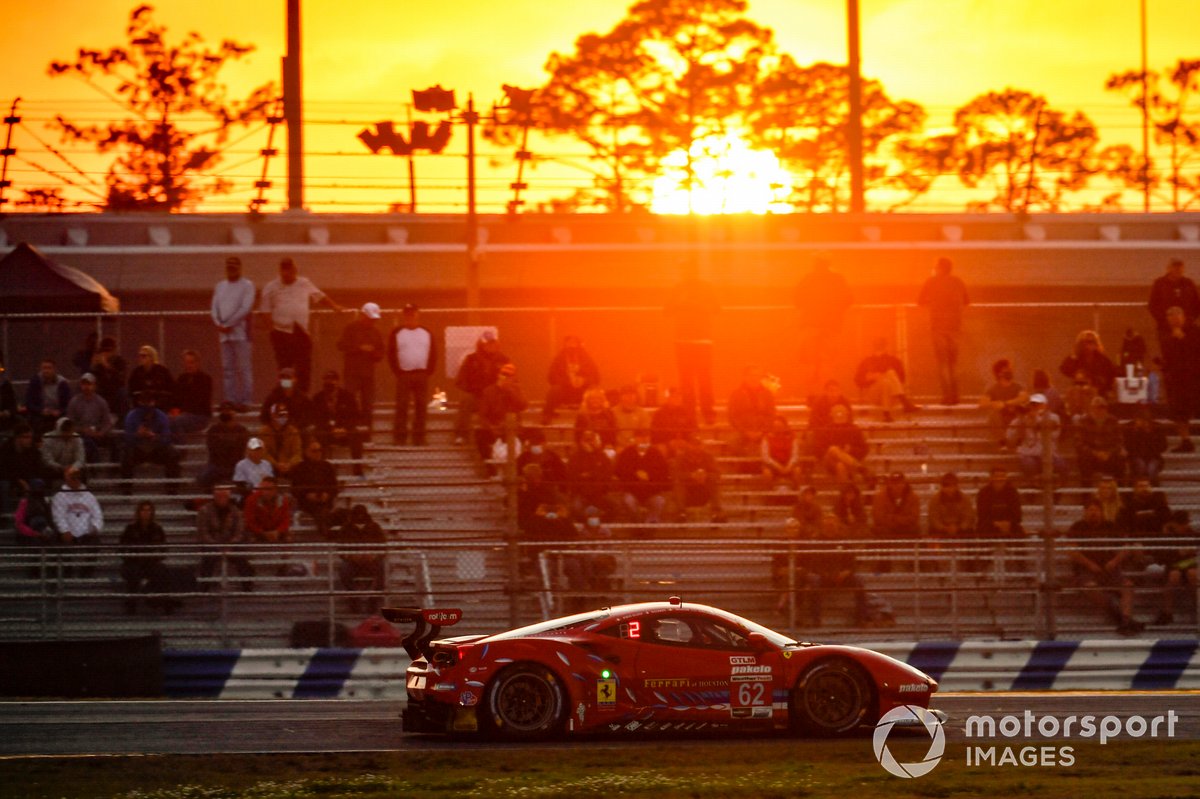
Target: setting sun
(729, 178)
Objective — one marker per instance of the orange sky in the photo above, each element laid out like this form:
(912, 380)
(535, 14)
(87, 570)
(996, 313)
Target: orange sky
(363, 56)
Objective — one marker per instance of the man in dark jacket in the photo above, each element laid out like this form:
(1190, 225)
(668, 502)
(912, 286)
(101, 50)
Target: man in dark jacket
(412, 356)
(315, 486)
(335, 417)
(226, 443)
(148, 439)
(644, 475)
(46, 398)
(998, 507)
(362, 348)
(572, 372)
(476, 372)
(498, 400)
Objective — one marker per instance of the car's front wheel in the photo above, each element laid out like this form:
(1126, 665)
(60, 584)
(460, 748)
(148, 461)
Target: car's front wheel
(525, 702)
(833, 697)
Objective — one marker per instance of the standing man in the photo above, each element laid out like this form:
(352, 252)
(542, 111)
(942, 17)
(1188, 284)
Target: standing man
(945, 295)
(232, 304)
(822, 298)
(693, 306)
(288, 299)
(1171, 290)
(412, 355)
(362, 348)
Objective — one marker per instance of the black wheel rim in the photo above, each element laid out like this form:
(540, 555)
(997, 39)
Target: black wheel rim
(834, 699)
(526, 702)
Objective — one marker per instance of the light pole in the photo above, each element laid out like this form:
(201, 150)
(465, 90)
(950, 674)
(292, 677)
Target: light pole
(855, 131)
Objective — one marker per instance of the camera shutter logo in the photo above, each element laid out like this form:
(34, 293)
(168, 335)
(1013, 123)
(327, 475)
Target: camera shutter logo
(907, 715)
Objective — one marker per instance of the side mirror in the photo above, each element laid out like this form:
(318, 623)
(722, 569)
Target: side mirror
(759, 642)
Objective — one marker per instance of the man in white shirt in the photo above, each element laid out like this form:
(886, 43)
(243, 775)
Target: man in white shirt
(412, 355)
(78, 518)
(250, 470)
(288, 299)
(232, 304)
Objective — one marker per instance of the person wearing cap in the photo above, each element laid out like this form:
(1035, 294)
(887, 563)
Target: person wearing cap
(232, 306)
(287, 301)
(477, 372)
(1029, 433)
(251, 469)
(950, 514)
(225, 443)
(1099, 445)
(92, 417)
(498, 401)
(62, 448)
(412, 357)
(335, 418)
(362, 349)
(572, 372)
(945, 295)
(148, 440)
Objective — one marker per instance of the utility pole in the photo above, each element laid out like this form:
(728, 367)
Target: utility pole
(1145, 121)
(471, 117)
(855, 132)
(293, 108)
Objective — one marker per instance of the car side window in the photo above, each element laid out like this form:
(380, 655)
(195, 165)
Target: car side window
(693, 632)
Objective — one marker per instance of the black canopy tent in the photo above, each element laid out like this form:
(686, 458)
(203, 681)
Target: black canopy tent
(32, 283)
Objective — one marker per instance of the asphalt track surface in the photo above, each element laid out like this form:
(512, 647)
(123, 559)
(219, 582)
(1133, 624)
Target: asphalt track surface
(62, 728)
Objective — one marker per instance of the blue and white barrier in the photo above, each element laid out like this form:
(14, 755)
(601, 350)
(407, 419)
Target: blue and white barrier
(1089, 665)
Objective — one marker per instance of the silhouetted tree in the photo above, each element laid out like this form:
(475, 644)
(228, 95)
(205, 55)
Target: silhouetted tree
(1168, 98)
(180, 114)
(1030, 154)
(50, 200)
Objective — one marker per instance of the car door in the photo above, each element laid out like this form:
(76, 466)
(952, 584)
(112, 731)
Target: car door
(694, 668)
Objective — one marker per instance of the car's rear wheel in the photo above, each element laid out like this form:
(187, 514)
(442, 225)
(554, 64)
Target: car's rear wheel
(833, 697)
(525, 702)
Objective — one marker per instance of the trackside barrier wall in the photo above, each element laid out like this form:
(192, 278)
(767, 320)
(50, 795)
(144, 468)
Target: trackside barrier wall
(958, 666)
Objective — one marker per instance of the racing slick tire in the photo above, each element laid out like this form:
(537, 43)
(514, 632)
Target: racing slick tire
(833, 697)
(525, 702)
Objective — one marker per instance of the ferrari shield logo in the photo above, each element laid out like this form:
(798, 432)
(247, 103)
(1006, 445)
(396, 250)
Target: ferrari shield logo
(786, 655)
(606, 693)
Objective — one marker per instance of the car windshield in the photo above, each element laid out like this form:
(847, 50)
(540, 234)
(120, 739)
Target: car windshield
(551, 625)
(778, 639)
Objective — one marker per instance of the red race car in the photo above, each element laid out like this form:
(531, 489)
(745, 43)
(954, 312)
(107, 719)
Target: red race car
(654, 666)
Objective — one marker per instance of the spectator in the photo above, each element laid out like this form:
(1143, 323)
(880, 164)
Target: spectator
(219, 525)
(1099, 444)
(751, 411)
(191, 409)
(250, 470)
(92, 419)
(696, 479)
(1181, 372)
(109, 369)
(9, 412)
(644, 477)
(282, 442)
(945, 295)
(1100, 568)
(671, 419)
(950, 514)
(822, 299)
(315, 486)
(802, 526)
(150, 376)
(595, 416)
(288, 299)
(232, 309)
(850, 511)
(1029, 434)
(572, 372)
(286, 393)
(831, 566)
(82, 359)
(820, 407)
(1145, 442)
(1144, 511)
(780, 452)
(362, 559)
(475, 374)
(46, 398)
(1133, 351)
(362, 348)
(63, 448)
(225, 441)
(1179, 565)
(268, 514)
(693, 307)
(629, 414)
(1078, 401)
(145, 573)
(589, 474)
(534, 450)
(1054, 401)
(412, 356)
(880, 376)
(1088, 357)
(998, 507)
(896, 510)
(34, 521)
(1003, 401)
(78, 519)
(335, 418)
(1109, 497)
(20, 464)
(1173, 290)
(842, 447)
(148, 440)
(541, 514)
(497, 402)
(590, 573)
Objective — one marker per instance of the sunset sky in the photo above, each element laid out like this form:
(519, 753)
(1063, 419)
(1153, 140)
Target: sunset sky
(362, 57)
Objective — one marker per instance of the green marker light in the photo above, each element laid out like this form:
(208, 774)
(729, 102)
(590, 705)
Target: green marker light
(605, 674)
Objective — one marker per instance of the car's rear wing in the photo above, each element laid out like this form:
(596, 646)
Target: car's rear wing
(429, 622)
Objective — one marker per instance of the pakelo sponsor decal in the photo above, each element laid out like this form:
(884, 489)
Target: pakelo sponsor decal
(751, 673)
(914, 688)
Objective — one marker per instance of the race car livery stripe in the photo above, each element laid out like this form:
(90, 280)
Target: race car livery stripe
(1044, 664)
(327, 672)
